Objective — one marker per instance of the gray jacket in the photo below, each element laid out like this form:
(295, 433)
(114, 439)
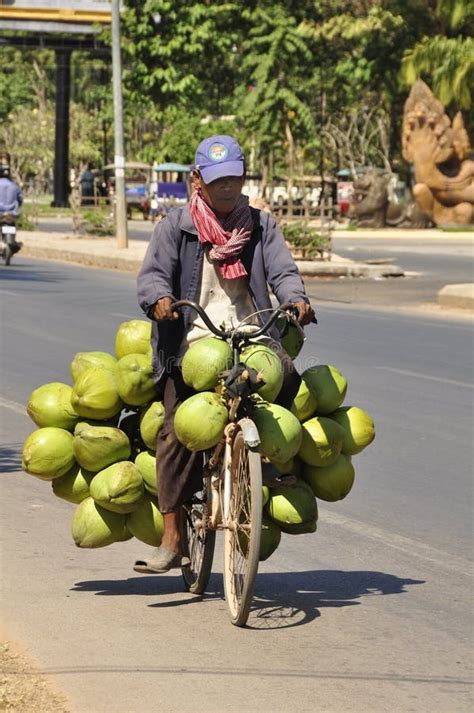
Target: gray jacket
(172, 267)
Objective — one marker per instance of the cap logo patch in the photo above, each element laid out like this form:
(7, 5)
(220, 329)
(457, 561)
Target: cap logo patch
(217, 152)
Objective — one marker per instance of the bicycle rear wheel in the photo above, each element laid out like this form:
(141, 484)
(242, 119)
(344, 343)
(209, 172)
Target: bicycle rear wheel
(198, 540)
(243, 531)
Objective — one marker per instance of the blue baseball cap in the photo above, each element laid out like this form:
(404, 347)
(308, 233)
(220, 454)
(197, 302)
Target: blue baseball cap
(219, 156)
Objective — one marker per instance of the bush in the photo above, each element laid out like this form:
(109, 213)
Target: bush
(97, 222)
(26, 220)
(307, 241)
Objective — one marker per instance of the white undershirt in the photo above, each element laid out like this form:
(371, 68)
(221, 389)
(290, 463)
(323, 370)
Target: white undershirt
(227, 303)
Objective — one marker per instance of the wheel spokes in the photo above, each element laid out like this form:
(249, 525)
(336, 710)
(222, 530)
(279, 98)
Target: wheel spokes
(240, 516)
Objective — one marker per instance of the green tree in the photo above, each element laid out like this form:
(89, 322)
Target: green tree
(180, 53)
(446, 59)
(272, 103)
(26, 79)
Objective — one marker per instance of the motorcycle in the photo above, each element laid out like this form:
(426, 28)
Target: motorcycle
(9, 245)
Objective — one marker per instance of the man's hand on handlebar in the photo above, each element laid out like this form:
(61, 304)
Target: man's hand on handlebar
(305, 312)
(162, 310)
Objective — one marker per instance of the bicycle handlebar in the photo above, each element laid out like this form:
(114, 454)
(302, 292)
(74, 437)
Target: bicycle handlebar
(286, 307)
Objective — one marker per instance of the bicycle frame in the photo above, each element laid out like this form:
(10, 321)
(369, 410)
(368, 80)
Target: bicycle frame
(221, 483)
(232, 481)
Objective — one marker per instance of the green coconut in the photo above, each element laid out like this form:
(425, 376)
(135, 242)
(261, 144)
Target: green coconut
(146, 522)
(135, 384)
(327, 385)
(358, 427)
(92, 526)
(47, 453)
(74, 486)
(96, 447)
(50, 405)
(95, 395)
(305, 403)
(293, 340)
(293, 506)
(133, 337)
(86, 423)
(332, 482)
(204, 361)
(265, 494)
(269, 539)
(265, 361)
(283, 468)
(151, 421)
(294, 466)
(322, 441)
(85, 360)
(279, 430)
(146, 464)
(118, 488)
(199, 421)
(304, 528)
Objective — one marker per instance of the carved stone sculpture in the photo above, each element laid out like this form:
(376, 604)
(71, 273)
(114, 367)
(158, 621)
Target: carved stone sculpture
(372, 208)
(439, 151)
(370, 199)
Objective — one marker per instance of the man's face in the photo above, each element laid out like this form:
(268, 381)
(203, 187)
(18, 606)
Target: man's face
(222, 194)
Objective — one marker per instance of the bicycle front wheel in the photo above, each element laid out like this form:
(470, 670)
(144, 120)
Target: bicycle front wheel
(243, 529)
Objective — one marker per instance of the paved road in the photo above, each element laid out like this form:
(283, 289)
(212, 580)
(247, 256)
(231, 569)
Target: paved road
(371, 613)
(429, 264)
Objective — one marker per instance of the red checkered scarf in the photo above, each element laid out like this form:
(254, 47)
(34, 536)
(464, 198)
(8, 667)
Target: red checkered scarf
(227, 239)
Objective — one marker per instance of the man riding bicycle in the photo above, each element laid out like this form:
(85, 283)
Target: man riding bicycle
(221, 253)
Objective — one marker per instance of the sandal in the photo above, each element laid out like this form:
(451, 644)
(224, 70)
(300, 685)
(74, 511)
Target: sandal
(162, 560)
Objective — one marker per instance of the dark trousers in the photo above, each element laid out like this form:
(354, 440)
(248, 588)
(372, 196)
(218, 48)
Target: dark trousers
(178, 470)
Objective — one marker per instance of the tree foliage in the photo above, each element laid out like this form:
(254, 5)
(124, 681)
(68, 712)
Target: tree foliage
(446, 59)
(306, 86)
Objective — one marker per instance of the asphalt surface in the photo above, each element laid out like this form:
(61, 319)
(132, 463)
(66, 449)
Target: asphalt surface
(429, 265)
(371, 613)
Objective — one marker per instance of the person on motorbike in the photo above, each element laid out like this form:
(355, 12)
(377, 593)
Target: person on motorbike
(11, 196)
(221, 253)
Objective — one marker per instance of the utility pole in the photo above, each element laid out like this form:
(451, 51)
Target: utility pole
(61, 140)
(120, 203)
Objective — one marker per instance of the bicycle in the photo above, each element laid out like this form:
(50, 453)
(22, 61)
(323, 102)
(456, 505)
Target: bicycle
(231, 498)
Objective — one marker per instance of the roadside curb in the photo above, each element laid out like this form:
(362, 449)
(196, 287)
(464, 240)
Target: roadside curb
(460, 296)
(107, 262)
(132, 264)
(430, 234)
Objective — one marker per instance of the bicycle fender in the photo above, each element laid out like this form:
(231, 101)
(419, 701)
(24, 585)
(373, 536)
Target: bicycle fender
(249, 429)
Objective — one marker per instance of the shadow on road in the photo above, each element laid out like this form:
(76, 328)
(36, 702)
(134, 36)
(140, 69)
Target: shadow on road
(282, 600)
(26, 272)
(10, 457)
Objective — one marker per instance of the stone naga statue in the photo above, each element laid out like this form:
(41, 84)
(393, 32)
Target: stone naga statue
(439, 151)
(371, 207)
(370, 199)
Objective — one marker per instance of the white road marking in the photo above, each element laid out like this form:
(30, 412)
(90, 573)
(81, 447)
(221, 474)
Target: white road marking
(10, 292)
(13, 406)
(126, 316)
(407, 545)
(425, 376)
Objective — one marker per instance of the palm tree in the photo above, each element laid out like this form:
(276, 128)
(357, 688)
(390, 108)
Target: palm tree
(447, 58)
